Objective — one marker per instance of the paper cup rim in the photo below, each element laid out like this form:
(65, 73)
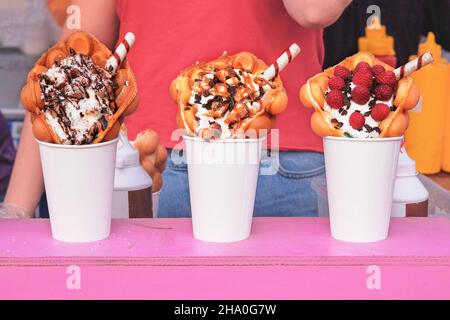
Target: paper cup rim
(251, 140)
(363, 139)
(77, 147)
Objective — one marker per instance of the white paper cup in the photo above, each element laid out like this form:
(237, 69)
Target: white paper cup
(79, 182)
(155, 203)
(360, 181)
(222, 184)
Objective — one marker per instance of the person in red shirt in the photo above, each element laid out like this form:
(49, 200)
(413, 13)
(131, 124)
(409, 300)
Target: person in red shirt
(171, 35)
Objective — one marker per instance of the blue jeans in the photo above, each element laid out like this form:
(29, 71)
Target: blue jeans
(288, 192)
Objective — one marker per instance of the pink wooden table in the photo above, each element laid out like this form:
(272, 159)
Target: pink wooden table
(285, 258)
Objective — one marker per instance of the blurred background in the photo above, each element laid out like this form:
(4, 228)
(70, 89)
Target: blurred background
(395, 31)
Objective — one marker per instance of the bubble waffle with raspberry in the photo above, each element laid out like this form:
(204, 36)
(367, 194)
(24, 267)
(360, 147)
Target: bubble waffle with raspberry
(360, 98)
(226, 97)
(72, 98)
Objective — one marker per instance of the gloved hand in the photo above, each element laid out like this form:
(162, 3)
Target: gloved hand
(8, 211)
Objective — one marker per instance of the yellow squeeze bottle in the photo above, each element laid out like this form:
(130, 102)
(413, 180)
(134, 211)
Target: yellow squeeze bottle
(378, 43)
(424, 139)
(446, 151)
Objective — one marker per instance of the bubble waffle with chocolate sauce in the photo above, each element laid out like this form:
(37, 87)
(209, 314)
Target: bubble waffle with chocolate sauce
(72, 98)
(359, 98)
(226, 97)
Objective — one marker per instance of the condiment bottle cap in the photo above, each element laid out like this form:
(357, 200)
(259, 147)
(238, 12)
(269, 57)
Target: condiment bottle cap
(376, 40)
(406, 166)
(129, 173)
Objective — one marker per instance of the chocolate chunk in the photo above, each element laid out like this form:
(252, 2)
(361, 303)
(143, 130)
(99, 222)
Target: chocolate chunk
(368, 128)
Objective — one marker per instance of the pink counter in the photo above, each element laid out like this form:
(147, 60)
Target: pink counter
(285, 258)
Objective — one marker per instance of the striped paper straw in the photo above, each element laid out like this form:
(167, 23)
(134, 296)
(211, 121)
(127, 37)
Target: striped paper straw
(274, 69)
(414, 65)
(121, 52)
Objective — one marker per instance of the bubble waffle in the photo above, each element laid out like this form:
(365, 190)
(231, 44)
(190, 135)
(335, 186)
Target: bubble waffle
(369, 103)
(226, 97)
(72, 98)
(152, 155)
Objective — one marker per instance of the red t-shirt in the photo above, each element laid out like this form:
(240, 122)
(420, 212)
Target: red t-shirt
(172, 35)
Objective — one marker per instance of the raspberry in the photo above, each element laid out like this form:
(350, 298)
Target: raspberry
(387, 78)
(377, 69)
(380, 111)
(335, 99)
(341, 72)
(363, 66)
(383, 92)
(360, 94)
(336, 83)
(363, 78)
(357, 120)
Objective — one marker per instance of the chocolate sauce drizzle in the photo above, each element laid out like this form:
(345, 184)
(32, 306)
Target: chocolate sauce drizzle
(80, 73)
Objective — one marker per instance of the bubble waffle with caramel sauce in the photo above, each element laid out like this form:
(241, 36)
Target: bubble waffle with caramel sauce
(226, 97)
(72, 98)
(359, 98)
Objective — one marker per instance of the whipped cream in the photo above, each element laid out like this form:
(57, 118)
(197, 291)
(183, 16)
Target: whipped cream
(78, 95)
(344, 118)
(203, 104)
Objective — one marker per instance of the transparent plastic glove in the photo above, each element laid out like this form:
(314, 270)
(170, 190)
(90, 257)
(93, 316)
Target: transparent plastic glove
(12, 212)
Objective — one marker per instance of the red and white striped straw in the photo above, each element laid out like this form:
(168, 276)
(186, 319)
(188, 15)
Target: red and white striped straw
(121, 52)
(274, 69)
(414, 65)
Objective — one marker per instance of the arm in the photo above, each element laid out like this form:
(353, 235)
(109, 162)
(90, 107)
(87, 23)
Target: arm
(315, 14)
(26, 184)
(99, 18)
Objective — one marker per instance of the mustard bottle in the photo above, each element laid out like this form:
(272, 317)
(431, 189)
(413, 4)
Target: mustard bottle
(378, 43)
(446, 151)
(424, 139)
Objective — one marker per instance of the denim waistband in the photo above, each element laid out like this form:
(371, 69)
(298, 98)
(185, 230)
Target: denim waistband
(291, 164)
